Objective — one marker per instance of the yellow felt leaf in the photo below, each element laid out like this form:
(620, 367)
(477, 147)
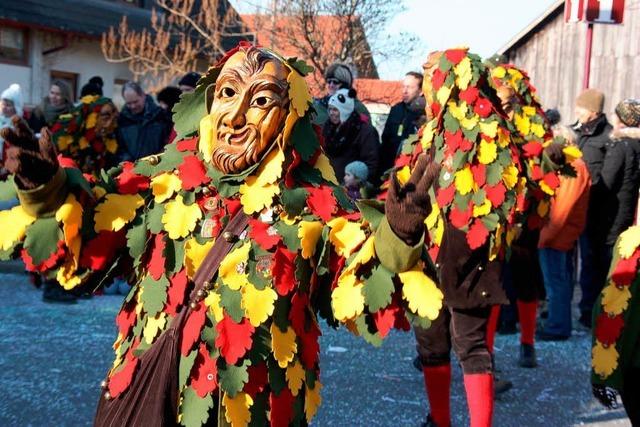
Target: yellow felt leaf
(510, 176)
(325, 168)
(516, 76)
(64, 141)
(66, 275)
(528, 110)
(179, 219)
(91, 120)
(471, 122)
(153, 326)
(490, 129)
(499, 72)
(207, 138)
(271, 169)
(258, 304)
(70, 214)
(116, 211)
(487, 152)
(237, 410)
(290, 121)
(629, 241)
(283, 345)
(233, 267)
(604, 360)
(403, 175)
(164, 186)
(98, 192)
(255, 197)
(523, 124)
(464, 180)
(112, 145)
(543, 208)
(463, 73)
(295, 377)
(614, 299)
(427, 135)
(571, 153)
(194, 254)
(537, 129)
(364, 255)
(347, 299)
(345, 236)
(298, 93)
(422, 294)
(432, 219)
(503, 138)
(443, 95)
(213, 302)
(309, 233)
(83, 143)
(312, 400)
(458, 111)
(483, 209)
(548, 190)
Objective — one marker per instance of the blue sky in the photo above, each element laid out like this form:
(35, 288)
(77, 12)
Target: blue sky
(483, 25)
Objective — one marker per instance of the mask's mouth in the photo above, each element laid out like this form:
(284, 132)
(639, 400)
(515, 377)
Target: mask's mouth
(237, 137)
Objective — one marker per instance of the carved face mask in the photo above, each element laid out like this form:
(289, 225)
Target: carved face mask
(107, 120)
(249, 108)
(427, 85)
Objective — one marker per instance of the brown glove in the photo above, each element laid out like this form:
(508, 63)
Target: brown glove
(554, 151)
(33, 161)
(407, 206)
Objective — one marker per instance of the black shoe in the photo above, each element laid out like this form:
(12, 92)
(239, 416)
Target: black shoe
(527, 356)
(507, 328)
(417, 363)
(500, 386)
(546, 336)
(429, 422)
(53, 293)
(585, 319)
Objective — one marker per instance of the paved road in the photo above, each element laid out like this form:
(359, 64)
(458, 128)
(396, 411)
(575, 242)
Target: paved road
(53, 357)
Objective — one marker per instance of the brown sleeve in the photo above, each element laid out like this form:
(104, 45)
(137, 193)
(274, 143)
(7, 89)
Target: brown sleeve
(45, 199)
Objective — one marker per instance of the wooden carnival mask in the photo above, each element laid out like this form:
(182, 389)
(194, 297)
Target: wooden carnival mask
(427, 84)
(248, 111)
(107, 120)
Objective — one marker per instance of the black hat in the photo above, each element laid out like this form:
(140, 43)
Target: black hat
(189, 79)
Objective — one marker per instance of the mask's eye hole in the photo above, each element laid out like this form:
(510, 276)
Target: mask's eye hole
(261, 101)
(228, 92)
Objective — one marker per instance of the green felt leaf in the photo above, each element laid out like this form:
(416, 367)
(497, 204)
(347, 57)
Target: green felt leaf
(137, 237)
(303, 274)
(106, 179)
(343, 200)
(421, 322)
(478, 197)
(294, 199)
(144, 167)
(277, 378)
(188, 197)
(504, 158)
(194, 409)
(281, 313)
(186, 364)
(154, 294)
(450, 123)
(154, 218)
(173, 254)
(75, 179)
(462, 202)
(8, 189)
(378, 288)
(233, 378)
(232, 302)
(261, 347)
(459, 159)
(372, 211)
(366, 333)
(258, 279)
(472, 134)
(310, 377)
(494, 173)
(259, 411)
(491, 221)
(209, 333)
(8, 254)
(300, 66)
(42, 239)
(306, 173)
(289, 234)
(304, 138)
(299, 418)
(193, 106)
(323, 258)
(170, 159)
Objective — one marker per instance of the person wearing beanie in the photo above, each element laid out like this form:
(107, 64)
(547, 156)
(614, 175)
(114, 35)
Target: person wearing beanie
(553, 115)
(356, 175)
(168, 97)
(90, 89)
(10, 105)
(347, 135)
(337, 76)
(593, 129)
(188, 82)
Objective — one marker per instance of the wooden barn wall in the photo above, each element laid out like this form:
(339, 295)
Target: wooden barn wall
(554, 59)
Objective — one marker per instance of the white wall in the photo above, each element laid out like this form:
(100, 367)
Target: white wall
(16, 74)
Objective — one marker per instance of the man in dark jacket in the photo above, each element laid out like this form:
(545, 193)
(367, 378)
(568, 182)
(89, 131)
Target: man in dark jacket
(337, 76)
(143, 127)
(403, 120)
(593, 131)
(349, 136)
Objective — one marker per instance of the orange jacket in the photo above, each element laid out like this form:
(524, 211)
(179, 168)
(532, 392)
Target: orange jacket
(568, 214)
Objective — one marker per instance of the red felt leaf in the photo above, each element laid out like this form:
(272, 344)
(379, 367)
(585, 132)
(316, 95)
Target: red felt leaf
(99, 252)
(192, 173)
(125, 319)
(496, 194)
(444, 196)
(532, 149)
(130, 182)
(283, 270)
(336, 264)
(455, 55)
(534, 221)
(234, 339)
(477, 234)
(625, 271)
(536, 173)
(55, 257)
(608, 328)
(120, 381)
(258, 379)
(176, 292)
(298, 312)
(281, 408)
(192, 328)
(402, 160)
(479, 172)
(469, 95)
(385, 319)
(289, 180)
(436, 109)
(459, 218)
(552, 180)
(66, 162)
(483, 107)
(309, 346)
(264, 234)
(187, 144)
(438, 79)
(204, 372)
(321, 201)
(232, 206)
(452, 141)
(433, 251)
(156, 260)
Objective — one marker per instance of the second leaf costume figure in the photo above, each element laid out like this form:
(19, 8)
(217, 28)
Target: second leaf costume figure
(251, 344)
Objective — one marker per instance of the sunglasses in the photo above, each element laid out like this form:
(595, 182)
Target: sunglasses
(333, 81)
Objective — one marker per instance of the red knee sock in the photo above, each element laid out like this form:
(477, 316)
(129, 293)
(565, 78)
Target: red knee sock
(437, 381)
(527, 314)
(479, 388)
(492, 325)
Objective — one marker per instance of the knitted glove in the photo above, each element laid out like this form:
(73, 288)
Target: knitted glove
(407, 206)
(554, 151)
(33, 162)
(606, 395)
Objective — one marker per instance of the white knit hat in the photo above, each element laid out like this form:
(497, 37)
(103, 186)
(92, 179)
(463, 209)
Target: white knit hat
(344, 101)
(14, 94)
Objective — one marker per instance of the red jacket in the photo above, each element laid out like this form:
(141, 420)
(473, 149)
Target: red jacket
(568, 214)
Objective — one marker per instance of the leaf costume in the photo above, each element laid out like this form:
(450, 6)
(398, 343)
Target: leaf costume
(251, 345)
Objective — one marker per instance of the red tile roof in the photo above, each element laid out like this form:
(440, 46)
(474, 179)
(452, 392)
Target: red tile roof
(379, 91)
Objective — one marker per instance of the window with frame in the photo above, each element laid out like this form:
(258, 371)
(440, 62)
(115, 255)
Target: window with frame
(13, 45)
